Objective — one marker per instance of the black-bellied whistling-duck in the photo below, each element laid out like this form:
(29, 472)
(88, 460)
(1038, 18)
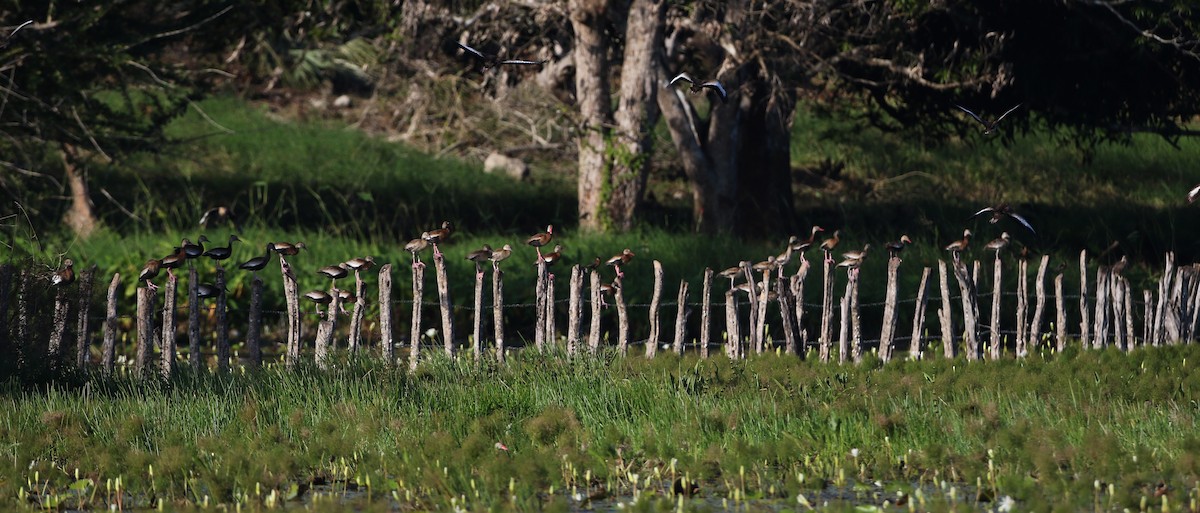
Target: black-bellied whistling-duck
(257, 263)
(732, 273)
(1004, 210)
(988, 126)
(593, 266)
(207, 290)
(696, 87)
(784, 258)
(416, 246)
(807, 243)
(191, 250)
(1193, 194)
(894, 248)
(333, 272)
(480, 256)
(149, 271)
(346, 297)
(745, 287)
(551, 257)
(960, 245)
(1119, 267)
(999, 243)
(320, 297)
(358, 264)
(438, 235)
(828, 244)
(538, 240)
(289, 248)
(173, 261)
(224, 253)
(853, 259)
(219, 214)
(64, 276)
(618, 260)
(607, 289)
(489, 61)
(500, 255)
(765, 266)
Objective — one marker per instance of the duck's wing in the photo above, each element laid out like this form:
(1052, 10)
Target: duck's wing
(716, 86)
(968, 111)
(523, 62)
(471, 51)
(1007, 112)
(682, 76)
(982, 211)
(1193, 194)
(1022, 220)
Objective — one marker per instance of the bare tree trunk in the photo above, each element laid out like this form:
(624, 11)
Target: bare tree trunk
(1060, 314)
(589, 23)
(193, 318)
(145, 334)
(783, 293)
(447, 308)
(358, 313)
(760, 322)
(58, 329)
(733, 332)
(551, 330)
(997, 289)
(539, 296)
(291, 295)
(1085, 324)
(81, 218)
(970, 306)
(856, 348)
(327, 325)
(477, 316)
(622, 318)
(1022, 305)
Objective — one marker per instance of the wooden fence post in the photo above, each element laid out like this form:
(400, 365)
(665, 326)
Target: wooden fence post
(733, 332)
(887, 332)
(194, 351)
(1085, 323)
(705, 312)
(655, 299)
(82, 321)
(58, 329)
(108, 347)
(856, 349)
(918, 326)
(1060, 314)
(945, 316)
(357, 314)
(145, 335)
(291, 297)
(447, 308)
(477, 316)
(254, 331)
(387, 341)
(21, 341)
(783, 294)
(1039, 308)
(575, 310)
(1128, 293)
(551, 332)
(1192, 309)
(1100, 330)
(1171, 322)
(797, 285)
(498, 310)
(681, 317)
(970, 307)
(169, 327)
(594, 319)
(222, 324)
(826, 310)
(539, 295)
(6, 274)
(1117, 293)
(760, 322)
(414, 339)
(1148, 318)
(844, 332)
(622, 318)
(997, 295)
(1022, 305)
(325, 330)
(752, 297)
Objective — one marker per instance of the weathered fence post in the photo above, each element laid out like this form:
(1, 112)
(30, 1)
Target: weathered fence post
(752, 297)
(222, 324)
(387, 340)
(6, 274)
(145, 334)
(844, 332)
(945, 316)
(887, 332)
(1148, 316)
(1060, 314)
(169, 328)
(254, 331)
(1171, 322)
(1022, 305)
(826, 310)
(498, 310)
(1100, 331)
(733, 335)
(970, 307)
(574, 310)
(21, 341)
(783, 294)
(997, 295)
(477, 316)
(357, 314)
(325, 330)
(551, 332)
(655, 300)
(108, 347)
(193, 318)
(622, 318)
(1039, 308)
(760, 322)
(414, 339)
(1128, 293)
(1117, 293)
(918, 326)
(539, 295)
(856, 349)
(58, 328)
(82, 321)
(797, 286)
(594, 319)
(681, 317)
(1085, 323)
(447, 308)
(291, 297)
(705, 312)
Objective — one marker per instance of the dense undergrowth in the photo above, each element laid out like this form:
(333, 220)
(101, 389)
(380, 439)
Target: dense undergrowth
(1068, 431)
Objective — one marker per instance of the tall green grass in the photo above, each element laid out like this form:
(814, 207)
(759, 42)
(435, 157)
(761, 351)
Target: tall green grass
(1041, 430)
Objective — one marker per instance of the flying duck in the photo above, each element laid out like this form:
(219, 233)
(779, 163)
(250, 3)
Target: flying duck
(698, 87)
(490, 61)
(1004, 210)
(988, 126)
(219, 214)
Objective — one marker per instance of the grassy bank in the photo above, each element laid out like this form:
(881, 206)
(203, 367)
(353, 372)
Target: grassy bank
(1053, 432)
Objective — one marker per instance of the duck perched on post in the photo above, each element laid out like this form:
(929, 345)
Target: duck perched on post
(618, 260)
(480, 256)
(957, 247)
(149, 271)
(64, 276)
(438, 235)
(999, 243)
(416, 246)
(894, 248)
(500, 255)
(733, 272)
(333, 272)
(222, 253)
(173, 261)
(257, 263)
(803, 245)
(538, 240)
(853, 259)
(831, 243)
